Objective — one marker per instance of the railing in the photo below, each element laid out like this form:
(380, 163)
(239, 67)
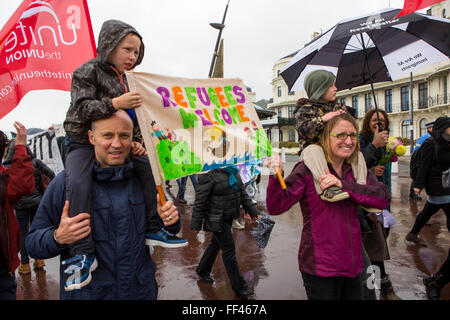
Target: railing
(430, 102)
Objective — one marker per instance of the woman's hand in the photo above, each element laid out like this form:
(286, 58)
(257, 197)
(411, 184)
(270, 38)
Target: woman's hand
(380, 139)
(328, 180)
(274, 163)
(378, 170)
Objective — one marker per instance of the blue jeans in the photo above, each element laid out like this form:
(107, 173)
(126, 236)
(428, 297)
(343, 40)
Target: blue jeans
(182, 185)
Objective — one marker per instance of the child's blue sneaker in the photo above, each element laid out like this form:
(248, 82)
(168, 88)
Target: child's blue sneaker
(165, 239)
(78, 271)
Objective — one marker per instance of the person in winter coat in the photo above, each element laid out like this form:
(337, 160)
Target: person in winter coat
(413, 164)
(27, 206)
(373, 143)
(311, 116)
(117, 223)
(15, 182)
(434, 159)
(330, 254)
(220, 193)
(99, 89)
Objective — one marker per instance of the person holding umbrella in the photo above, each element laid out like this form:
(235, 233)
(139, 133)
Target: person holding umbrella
(330, 254)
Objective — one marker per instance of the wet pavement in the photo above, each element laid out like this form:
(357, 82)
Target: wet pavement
(273, 272)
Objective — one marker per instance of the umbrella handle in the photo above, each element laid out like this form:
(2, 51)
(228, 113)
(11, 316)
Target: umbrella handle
(162, 196)
(281, 180)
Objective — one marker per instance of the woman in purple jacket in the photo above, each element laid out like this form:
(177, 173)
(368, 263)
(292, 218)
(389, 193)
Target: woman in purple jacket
(329, 258)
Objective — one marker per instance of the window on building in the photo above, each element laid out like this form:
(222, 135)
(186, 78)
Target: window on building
(281, 135)
(388, 100)
(291, 111)
(292, 135)
(279, 91)
(429, 12)
(342, 101)
(444, 82)
(423, 95)
(278, 73)
(355, 104)
(422, 127)
(368, 101)
(405, 131)
(444, 13)
(280, 112)
(404, 95)
(269, 134)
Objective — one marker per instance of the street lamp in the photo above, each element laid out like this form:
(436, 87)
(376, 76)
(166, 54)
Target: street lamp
(218, 26)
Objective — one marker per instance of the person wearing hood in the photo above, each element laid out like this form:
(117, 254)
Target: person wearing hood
(311, 116)
(27, 206)
(100, 88)
(434, 159)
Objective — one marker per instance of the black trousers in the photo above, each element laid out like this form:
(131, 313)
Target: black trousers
(223, 241)
(427, 212)
(7, 282)
(79, 163)
(332, 288)
(25, 218)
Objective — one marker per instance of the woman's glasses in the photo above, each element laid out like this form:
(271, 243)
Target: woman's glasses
(343, 135)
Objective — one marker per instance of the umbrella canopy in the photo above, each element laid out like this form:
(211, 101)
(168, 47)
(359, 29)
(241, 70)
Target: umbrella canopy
(372, 48)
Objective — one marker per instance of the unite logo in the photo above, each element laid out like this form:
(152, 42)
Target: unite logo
(38, 30)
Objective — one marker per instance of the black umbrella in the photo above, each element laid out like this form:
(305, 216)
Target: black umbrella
(372, 48)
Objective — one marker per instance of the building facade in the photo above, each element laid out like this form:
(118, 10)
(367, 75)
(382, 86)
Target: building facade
(431, 98)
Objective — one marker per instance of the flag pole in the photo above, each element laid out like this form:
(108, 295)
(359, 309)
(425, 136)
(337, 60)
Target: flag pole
(151, 152)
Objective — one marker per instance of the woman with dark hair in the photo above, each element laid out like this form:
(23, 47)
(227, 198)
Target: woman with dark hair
(373, 140)
(330, 254)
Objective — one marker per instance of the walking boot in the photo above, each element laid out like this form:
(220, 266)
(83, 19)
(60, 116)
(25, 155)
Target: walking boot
(39, 263)
(24, 268)
(434, 284)
(387, 292)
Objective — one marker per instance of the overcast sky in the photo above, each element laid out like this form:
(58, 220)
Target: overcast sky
(180, 42)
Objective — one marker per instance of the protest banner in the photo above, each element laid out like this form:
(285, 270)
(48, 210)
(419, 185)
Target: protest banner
(45, 148)
(188, 121)
(40, 46)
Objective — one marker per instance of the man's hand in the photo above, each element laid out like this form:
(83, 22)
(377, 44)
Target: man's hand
(378, 170)
(168, 212)
(128, 100)
(72, 229)
(138, 149)
(21, 134)
(417, 191)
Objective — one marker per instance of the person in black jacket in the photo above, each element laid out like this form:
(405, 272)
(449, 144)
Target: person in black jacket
(220, 193)
(434, 159)
(27, 206)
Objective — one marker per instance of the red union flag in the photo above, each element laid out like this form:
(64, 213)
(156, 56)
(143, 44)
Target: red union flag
(40, 47)
(411, 6)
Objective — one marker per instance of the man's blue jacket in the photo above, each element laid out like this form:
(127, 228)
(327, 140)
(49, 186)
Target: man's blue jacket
(125, 268)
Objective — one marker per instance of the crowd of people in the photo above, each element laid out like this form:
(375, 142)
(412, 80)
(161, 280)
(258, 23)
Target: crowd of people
(101, 212)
